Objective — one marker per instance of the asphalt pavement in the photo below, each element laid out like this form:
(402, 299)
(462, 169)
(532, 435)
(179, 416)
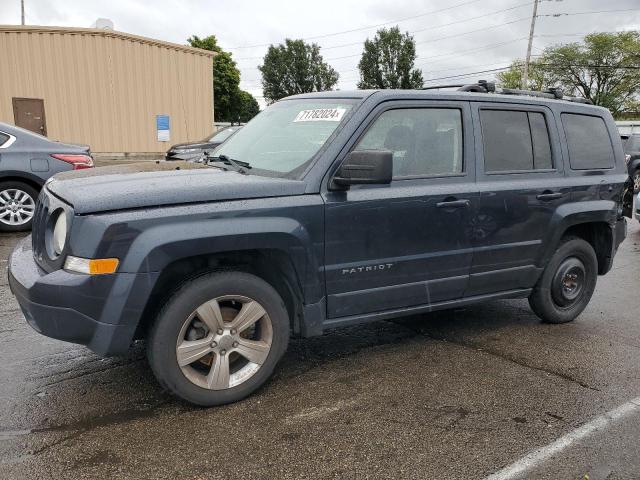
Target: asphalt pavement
(453, 395)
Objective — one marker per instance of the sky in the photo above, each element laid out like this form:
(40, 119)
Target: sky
(453, 38)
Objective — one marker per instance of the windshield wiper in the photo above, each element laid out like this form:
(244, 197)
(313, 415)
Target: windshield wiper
(238, 165)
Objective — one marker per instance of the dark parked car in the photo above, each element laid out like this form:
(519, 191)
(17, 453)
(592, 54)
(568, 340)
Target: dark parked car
(27, 160)
(326, 210)
(195, 151)
(632, 156)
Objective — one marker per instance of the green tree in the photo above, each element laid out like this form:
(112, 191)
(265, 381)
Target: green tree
(295, 67)
(602, 68)
(226, 79)
(512, 78)
(388, 60)
(247, 107)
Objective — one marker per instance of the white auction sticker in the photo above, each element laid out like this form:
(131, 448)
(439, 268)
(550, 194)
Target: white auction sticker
(320, 115)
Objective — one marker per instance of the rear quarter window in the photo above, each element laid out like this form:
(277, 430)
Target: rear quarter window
(3, 138)
(588, 142)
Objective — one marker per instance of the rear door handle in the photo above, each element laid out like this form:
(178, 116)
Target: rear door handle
(547, 196)
(454, 204)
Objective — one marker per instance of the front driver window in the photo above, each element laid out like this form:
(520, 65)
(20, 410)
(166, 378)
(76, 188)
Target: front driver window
(424, 141)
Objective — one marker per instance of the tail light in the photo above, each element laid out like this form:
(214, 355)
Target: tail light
(78, 161)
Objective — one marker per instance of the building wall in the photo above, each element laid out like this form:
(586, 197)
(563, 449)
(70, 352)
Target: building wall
(105, 88)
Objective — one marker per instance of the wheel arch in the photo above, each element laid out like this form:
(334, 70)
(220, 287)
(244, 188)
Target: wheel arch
(593, 221)
(31, 180)
(274, 266)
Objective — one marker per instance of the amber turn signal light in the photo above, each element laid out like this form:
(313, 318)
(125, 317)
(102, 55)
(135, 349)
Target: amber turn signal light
(91, 266)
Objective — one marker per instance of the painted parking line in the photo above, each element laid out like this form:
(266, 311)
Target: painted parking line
(536, 457)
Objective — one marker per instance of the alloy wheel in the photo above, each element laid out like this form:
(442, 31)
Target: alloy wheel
(224, 342)
(16, 207)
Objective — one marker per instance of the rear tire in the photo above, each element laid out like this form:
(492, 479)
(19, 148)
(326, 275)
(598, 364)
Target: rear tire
(219, 338)
(567, 283)
(17, 206)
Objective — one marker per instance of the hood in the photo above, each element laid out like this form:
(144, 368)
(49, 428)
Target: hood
(150, 184)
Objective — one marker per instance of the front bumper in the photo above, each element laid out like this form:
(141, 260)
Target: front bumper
(101, 312)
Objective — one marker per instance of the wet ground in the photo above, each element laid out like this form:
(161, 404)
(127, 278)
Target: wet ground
(453, 395)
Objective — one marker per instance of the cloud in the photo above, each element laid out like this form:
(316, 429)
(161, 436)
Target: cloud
(449, 42)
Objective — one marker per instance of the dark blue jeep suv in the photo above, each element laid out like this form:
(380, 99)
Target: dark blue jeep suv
(326, 210)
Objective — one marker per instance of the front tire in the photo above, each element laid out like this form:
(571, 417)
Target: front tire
(567, 283)
(17, 206)
(219, 338)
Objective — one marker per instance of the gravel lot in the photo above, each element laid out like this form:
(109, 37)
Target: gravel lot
(452, 395)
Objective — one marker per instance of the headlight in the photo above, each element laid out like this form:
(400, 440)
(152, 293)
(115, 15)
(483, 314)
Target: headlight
(186, 150)
(59, 237)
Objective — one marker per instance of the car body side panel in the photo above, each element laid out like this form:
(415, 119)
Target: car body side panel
(149, 240)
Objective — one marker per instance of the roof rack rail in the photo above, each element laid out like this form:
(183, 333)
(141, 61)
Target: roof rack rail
(532, 93)
(482, 86)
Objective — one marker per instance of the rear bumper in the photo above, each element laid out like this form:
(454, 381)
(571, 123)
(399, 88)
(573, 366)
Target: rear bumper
(619, 234)
(101, 312)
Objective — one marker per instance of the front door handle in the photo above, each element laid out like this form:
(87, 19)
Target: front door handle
(454, 204)
(547, 196)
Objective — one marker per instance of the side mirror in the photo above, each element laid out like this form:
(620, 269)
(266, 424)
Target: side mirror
(365, 167)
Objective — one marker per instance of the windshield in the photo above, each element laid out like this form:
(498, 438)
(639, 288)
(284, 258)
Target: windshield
(285, 136)
(222, 135)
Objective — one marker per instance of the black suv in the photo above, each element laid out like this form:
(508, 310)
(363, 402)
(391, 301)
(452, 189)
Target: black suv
(326, 210)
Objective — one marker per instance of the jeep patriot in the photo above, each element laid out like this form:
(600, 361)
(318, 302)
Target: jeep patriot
(327, 209)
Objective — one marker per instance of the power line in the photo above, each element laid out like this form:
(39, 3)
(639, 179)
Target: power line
(493, 70)
(367, 27)
(432, 40)
(469, 74)
(459, 53)
(551, 35)
(331, 47)
(587, 13)
(555, 15)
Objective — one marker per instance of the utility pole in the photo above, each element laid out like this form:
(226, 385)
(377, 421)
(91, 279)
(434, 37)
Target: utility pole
(22, 10)
(525, 76)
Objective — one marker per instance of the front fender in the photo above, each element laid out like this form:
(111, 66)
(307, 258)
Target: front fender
(158, 246)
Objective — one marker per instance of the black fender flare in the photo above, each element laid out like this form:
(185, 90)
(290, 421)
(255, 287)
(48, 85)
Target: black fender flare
(572, 214)
(159, 246)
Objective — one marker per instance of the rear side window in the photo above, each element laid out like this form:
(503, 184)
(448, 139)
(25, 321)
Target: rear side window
(588, 142)
(515, 141)
(3, 138)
